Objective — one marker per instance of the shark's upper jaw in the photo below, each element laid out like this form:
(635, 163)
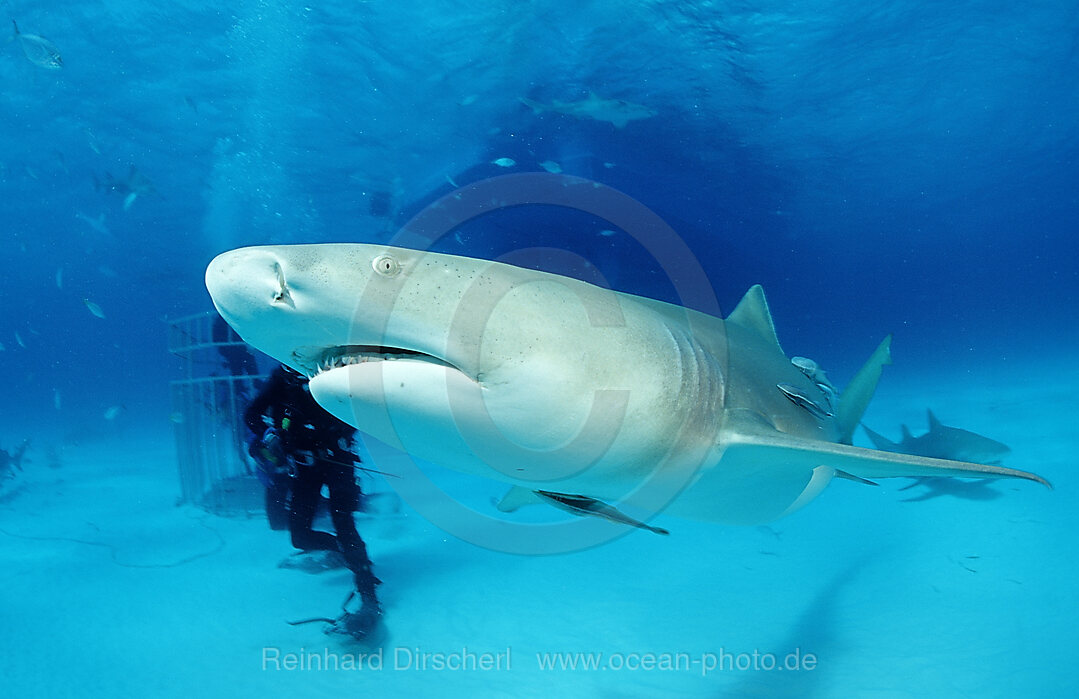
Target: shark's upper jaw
(313, 361)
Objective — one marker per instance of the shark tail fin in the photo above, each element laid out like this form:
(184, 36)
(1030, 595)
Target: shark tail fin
(856, 396)
(880, 441)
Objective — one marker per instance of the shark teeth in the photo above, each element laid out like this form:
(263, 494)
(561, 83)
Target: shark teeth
(348, 355)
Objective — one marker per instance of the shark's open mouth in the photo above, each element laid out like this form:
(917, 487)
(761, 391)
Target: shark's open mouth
(318, 360)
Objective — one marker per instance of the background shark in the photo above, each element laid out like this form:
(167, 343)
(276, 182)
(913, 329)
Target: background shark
(555, 385)
(943, 442)
(616, 112)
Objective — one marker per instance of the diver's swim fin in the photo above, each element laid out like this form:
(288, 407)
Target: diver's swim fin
(364, 625)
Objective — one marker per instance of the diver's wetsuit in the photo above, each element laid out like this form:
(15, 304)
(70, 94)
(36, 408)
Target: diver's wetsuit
(321, 447)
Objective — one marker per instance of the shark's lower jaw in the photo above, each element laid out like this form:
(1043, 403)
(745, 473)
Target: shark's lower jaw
(314, 360)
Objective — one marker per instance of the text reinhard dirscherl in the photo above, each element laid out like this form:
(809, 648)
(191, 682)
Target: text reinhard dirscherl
(464, 659)
(400, 659)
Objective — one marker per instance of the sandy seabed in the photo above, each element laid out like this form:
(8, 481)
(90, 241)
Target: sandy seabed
(109, 588)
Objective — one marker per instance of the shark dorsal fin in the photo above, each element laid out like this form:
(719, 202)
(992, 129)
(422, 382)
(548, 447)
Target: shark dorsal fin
(934, 423)
(906, 433)
(856, 396)
(752, 313)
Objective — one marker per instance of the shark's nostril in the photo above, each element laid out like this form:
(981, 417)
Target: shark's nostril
(282, 295)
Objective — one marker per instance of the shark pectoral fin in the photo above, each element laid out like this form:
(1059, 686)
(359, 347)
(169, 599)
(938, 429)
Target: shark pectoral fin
(516, 498)
(870, 463)
(856, 396)
(583, 505)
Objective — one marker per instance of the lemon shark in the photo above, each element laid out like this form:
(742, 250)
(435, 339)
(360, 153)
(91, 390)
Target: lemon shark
(616, 112)
(600, 402)
(944, 442)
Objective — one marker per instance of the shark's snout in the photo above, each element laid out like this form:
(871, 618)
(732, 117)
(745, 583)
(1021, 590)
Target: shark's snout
(245, 280)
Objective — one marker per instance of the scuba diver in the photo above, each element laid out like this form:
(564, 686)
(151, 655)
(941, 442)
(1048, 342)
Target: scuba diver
(298, 437)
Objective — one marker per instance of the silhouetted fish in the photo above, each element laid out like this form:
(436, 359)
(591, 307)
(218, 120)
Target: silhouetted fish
(39, 50)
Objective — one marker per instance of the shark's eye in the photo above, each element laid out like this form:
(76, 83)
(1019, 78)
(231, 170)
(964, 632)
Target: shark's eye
(386, 265)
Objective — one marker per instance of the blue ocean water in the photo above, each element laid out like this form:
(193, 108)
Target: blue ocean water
(878, 167)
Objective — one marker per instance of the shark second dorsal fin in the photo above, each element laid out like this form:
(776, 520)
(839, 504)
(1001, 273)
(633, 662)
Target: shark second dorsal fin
(906, 436)
(934, 423)
(856, 396)
(752, 313)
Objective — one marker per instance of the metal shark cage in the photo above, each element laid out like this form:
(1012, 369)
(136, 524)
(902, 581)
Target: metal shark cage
(220, 376)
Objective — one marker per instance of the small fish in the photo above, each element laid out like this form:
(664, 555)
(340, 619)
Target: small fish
(114, 412)
(504, 162)
(606, 232)
(176, 418)
(2, 348)
(59, 277)
(130, 187)
(97, 224)
(38, 50)
(94, 308)
(803, 401)
(91, 141)
(18, 338)
(56, 397)
(551, 167)
(452, 183)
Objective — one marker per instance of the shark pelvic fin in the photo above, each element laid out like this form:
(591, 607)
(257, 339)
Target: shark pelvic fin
(516, 498)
